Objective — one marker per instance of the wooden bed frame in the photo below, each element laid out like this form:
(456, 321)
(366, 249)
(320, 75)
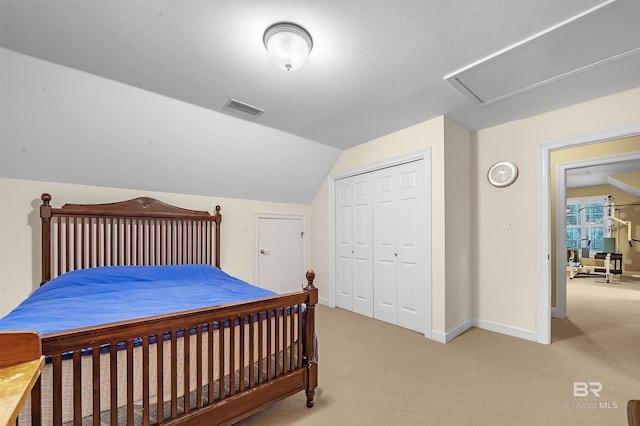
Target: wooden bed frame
(145, 231)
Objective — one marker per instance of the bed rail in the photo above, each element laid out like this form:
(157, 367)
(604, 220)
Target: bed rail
(270, 355)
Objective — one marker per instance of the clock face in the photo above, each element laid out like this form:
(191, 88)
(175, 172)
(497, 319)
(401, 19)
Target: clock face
(502, 174)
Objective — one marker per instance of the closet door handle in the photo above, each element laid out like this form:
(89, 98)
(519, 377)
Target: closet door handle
(395, 254)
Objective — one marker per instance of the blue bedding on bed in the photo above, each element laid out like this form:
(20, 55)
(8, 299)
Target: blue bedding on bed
(107, 294)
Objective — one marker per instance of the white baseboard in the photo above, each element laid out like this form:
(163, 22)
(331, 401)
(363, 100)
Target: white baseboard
(520, 333)
(506, 329)
(438, 336)
(324, 301)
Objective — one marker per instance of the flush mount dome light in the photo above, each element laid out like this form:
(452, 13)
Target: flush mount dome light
(288, 45)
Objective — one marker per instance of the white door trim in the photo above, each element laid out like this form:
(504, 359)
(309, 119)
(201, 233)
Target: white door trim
(415, 156)
(544, 214)
(256, 249)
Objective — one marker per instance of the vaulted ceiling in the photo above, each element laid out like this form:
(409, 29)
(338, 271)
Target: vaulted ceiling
(377, 66)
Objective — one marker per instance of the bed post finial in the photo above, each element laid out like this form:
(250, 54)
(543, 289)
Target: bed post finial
(310, 338)
(310, 277)
(45, 217)
(217, 220)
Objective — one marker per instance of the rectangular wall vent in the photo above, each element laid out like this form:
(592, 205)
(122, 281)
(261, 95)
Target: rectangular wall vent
(596, 37)
(243, 107)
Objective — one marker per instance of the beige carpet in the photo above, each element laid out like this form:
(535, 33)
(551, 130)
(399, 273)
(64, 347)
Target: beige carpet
(372, 373)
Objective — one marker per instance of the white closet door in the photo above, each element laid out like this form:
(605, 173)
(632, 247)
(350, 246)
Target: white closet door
(344, 243)
(399, 246)
(385, 282)
(411, 259)
(353, 240)
(380, 227)
(362, 246)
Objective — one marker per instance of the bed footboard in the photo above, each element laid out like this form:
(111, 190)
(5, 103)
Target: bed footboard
(206, 366)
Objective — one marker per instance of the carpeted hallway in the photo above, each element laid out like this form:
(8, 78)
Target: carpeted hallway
(373, 373)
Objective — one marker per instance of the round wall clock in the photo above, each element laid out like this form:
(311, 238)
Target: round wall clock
(502, 174)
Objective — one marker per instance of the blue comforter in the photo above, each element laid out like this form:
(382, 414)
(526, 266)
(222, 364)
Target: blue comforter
(115, 293)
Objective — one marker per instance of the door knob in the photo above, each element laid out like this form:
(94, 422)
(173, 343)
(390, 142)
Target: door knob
(264, 252)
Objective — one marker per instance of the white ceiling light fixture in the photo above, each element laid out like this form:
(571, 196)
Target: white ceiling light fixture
(288, 45)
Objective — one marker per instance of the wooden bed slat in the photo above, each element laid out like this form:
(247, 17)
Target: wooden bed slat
(241, 350)
(113, 380)
(221, 366)
(186, 372)
(174, 373)
(199, 366)
(77, 388)
(210, 365)
(57, 389)
(95, 355)
(146, 407)
(130, 368)
(160, 376)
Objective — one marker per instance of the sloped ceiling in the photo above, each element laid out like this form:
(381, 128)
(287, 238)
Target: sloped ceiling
(377, 66)
(628, 182)
(624, 175)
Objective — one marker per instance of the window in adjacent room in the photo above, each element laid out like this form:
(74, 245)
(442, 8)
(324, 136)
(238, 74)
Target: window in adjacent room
(585, 223)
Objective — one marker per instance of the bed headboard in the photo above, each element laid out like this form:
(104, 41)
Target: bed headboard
(142, 231)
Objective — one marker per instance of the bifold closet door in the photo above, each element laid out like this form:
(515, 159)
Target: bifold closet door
(354, 281)
(399, 256)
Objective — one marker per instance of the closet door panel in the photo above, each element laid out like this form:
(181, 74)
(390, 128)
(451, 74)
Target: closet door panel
(344, 243)
(385, 276)
(363, 248)
(411, 247)
(344, 295)
(386, 293)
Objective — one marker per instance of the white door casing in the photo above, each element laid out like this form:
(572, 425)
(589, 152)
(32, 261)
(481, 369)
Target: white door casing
(543, 322)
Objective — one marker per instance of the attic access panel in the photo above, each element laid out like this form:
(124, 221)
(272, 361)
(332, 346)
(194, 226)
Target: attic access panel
(605, 33)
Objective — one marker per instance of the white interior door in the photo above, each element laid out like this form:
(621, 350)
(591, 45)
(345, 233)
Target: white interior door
(280, 253)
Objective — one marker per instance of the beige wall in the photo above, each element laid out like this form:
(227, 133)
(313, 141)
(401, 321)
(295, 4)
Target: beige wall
(20, 228)
(458, 228)
(506, 275)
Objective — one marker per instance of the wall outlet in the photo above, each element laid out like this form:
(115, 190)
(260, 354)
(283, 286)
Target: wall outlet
(509, 225)
(629, 262)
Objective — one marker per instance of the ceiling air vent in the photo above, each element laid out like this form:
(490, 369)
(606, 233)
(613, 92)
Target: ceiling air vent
(244, 108)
